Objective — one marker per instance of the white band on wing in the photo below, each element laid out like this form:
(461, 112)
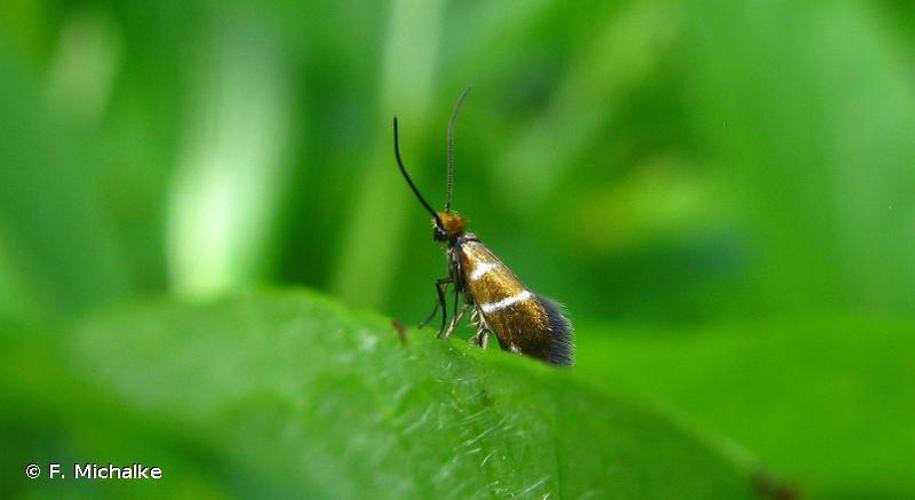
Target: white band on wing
(502, 304)
(481, 269)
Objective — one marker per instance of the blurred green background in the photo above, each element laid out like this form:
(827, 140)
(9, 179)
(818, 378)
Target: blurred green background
(722, 193)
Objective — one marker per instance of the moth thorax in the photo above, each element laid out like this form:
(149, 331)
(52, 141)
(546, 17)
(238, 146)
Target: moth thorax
(453, 224)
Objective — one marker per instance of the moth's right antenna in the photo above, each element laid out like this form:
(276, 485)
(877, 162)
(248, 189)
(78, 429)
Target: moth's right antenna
(449, 183)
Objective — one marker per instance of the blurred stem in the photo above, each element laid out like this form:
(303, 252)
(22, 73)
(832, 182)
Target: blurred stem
(84, 66)
(226, 187)
(410, 56)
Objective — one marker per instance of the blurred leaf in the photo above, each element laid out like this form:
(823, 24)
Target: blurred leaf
(49, 415)
(827, 401)
(53, 224)
(295, 393)
(809, 110)
(627, 48)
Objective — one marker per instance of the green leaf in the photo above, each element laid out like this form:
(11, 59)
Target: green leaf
(291, 392)
(825, 402)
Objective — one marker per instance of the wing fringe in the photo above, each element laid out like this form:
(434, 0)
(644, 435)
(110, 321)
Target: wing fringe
(561, 349)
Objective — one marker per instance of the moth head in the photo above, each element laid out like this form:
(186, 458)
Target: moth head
(448, 226)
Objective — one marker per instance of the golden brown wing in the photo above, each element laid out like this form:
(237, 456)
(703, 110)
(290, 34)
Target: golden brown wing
(521, 320)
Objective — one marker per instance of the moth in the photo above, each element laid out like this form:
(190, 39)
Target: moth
(522, 321)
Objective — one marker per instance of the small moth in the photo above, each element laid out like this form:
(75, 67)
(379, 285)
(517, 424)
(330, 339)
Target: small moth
(522, 321)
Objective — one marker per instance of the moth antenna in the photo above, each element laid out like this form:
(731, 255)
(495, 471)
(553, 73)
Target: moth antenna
(406, 176)
(449, 183)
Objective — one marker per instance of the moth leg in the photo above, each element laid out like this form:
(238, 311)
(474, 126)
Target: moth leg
(455, 321)
(431, 315)
(456, 317)
(478, 337)
(484, 340)
(440, 285)
(475, 321)
(481, 338)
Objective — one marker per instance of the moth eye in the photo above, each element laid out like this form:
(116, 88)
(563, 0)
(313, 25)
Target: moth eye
(438, 234)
